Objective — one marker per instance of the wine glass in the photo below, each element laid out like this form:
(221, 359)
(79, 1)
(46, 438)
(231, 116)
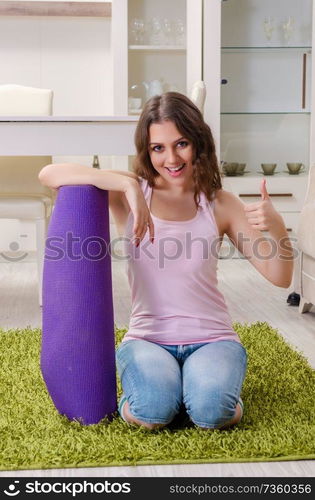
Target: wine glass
(155, 29)
(134, 30)
(167, 30)
(142, 30)
(268, 27)
(287, 27)
(179, 29)
(137, 27)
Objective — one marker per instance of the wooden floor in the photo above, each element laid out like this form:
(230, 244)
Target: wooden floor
(249, 297)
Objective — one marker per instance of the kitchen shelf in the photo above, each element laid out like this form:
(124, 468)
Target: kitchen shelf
(266, 113)
(134, 111)
(263, 48)
(260, 175)
(74, 9)
(155, 48)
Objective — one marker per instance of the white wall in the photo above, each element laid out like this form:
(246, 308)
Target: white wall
(72, 56)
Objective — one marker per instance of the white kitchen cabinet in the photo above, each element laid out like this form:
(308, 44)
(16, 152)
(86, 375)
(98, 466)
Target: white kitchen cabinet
(259, 72)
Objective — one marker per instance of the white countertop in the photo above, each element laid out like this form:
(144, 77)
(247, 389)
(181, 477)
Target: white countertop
(67, 135)
(54, 118)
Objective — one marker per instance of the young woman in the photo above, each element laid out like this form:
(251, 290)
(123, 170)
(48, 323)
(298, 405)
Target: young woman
(180, 349)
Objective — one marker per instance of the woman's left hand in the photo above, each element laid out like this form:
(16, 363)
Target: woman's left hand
(262, 215)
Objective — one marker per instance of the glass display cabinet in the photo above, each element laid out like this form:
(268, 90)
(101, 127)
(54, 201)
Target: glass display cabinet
(262, 117)
(266, 82)
(256, 59)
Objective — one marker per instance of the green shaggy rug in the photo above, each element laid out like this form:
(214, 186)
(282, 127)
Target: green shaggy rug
(278, 422)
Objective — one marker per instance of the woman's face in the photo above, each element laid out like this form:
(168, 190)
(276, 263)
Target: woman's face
(171, 154)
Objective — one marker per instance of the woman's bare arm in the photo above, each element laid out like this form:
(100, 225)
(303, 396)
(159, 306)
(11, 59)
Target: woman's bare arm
(272, 256)
(62, 174)
(120, 187)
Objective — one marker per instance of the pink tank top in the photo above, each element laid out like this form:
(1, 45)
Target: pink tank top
(174, 293)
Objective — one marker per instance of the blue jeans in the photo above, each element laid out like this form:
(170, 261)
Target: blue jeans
(206, 378)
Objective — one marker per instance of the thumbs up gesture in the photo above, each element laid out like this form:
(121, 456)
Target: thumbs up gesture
(263, 190)
(262, 214)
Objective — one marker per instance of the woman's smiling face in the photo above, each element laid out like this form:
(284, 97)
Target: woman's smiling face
(171, 154)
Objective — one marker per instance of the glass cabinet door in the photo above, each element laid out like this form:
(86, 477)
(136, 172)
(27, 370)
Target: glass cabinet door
(156, 50)
(156, 47)
(266, 48)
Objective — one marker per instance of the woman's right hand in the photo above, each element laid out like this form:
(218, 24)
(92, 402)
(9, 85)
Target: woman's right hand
(140, 211)
(63, 174)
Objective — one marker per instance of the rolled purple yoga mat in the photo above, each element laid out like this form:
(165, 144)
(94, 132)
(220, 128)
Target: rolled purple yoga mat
(78, 348)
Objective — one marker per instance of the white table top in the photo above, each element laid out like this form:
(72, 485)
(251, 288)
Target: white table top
(49, 118)
(67, 135)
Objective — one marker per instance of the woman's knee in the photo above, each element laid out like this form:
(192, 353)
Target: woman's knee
(212, 413)
(155, 410)
(151, 382)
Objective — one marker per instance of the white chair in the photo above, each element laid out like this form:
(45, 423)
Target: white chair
(21, 194)
(198, 94)
(306, 245)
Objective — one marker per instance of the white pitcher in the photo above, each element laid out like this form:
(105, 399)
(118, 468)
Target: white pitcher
(153, 88)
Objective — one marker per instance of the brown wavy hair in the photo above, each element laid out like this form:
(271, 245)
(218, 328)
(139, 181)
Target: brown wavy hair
(180, 110)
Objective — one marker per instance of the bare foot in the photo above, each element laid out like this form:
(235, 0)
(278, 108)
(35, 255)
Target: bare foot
(133, 420)
(236, 419)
